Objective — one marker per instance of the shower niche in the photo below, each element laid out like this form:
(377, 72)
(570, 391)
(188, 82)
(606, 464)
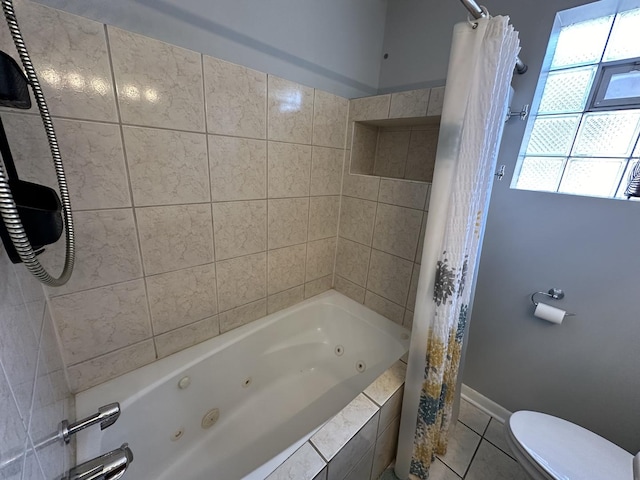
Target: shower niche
(402, 148)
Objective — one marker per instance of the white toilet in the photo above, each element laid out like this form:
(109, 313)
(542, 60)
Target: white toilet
(549, 448)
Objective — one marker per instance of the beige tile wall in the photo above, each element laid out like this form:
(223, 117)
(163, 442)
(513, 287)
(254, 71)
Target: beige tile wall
(402, 149)
(406, 152)
(205, 194)
(34, 396)
(382, 220)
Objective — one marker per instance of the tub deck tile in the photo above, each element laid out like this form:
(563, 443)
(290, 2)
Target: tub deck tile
(390, 410)
(385, 448)
(322, 475)
(348, 458)
(362, 470)
(387, 384)
(304, 464)
(337, 432)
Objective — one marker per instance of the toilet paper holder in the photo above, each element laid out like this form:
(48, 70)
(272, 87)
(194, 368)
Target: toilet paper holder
(555, 293)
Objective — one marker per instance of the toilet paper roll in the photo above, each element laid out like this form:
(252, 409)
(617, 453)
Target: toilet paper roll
(549, 313)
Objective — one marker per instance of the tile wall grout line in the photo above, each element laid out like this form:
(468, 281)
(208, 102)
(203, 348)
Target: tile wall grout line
(139, 278)
(385, 298)
(35, 380)
(266, 189)
(189, 204)
(133, 208)
(58, 339)
(406, 298)
(25, 449)
(187, 325)
(379, 250)
(406, 158)
(155, 127)
(244, 305)
(30, 440)
(350, 281)
(38, 336)
(25, 422)
(375, 217)
(31, 446)
(119, 349)
(342, 178)
(306, 245)
(384, 203)
(211, 202)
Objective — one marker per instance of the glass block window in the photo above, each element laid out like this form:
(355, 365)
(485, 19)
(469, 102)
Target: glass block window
(574, 144)
(623, 42)
(567, 90)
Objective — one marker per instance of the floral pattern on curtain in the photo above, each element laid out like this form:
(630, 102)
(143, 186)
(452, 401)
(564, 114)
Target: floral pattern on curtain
(471, 189)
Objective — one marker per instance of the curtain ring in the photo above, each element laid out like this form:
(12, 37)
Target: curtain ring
(485, 14)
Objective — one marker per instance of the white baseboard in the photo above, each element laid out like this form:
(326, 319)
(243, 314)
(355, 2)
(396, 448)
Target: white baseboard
(485, 404)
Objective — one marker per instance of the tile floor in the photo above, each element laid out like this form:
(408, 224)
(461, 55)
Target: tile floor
(477, 451)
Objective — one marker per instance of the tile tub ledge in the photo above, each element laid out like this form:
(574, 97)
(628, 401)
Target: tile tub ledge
(359, 442)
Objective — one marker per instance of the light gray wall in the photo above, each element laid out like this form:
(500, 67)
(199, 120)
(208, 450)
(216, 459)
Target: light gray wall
(585, 370)
(333, 45)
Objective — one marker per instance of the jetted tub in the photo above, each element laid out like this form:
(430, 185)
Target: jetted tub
(238, 405)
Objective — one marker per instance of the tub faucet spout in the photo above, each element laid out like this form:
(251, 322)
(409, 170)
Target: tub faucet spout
(110, 466)
(106, 416)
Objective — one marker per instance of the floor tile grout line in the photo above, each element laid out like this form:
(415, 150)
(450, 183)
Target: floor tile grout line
(499, 448)
(475, 452)
(486, 427)
(495, 443)
(448, 467)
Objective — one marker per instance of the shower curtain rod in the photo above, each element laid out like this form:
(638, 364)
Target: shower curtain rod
(478, 12)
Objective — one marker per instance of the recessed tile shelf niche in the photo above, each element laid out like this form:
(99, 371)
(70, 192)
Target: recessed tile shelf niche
(396, 147)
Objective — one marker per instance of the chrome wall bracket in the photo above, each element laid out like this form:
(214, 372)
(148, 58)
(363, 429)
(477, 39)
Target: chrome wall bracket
(110, 466)
(106, 416)
(523, 113)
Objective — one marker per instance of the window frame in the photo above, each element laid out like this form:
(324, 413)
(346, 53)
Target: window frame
(596, 101)
(564, 19)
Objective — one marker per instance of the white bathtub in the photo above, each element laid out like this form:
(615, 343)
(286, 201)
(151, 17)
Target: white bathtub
(274, 382)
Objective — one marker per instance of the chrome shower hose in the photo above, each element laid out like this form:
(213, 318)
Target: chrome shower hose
(8, 209)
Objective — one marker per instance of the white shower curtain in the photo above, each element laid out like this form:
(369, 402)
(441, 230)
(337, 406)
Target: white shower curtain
(480, 72)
